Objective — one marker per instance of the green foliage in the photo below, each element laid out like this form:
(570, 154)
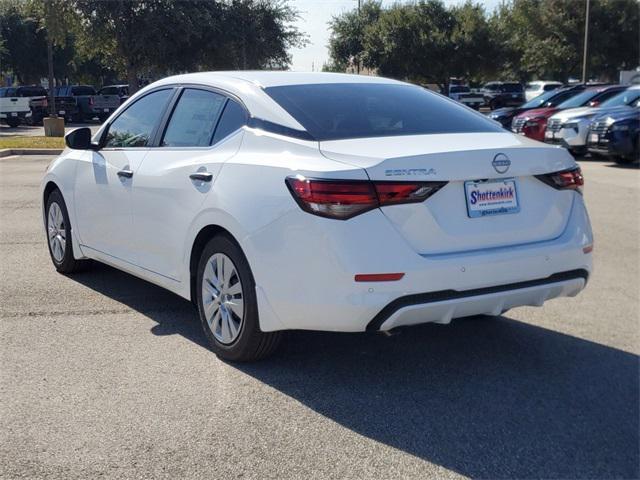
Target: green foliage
(523, 39)
(100, 39)
(346, 43)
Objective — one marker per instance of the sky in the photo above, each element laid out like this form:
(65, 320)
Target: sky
(314, 18)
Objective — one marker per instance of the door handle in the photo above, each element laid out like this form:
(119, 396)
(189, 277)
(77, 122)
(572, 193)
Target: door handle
(125, 173)
(202, 176)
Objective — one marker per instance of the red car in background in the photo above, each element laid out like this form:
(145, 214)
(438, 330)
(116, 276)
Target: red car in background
(533, 123)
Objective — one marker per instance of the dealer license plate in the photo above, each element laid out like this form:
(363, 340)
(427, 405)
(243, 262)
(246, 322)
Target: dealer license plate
(491, 197)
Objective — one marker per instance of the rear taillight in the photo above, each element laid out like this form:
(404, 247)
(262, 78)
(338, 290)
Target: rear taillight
(571, 179)
(90, 100)
(343, 199)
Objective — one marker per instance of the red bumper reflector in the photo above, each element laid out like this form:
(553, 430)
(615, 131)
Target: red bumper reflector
(378, 277)
(587, 249)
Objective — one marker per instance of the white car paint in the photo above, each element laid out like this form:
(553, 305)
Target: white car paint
(538, 87)
(304, 265)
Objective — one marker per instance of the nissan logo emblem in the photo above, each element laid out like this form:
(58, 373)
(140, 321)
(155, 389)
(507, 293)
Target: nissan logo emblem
(501, 163)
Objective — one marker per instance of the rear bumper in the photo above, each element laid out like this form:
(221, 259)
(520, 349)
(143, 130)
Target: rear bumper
(20, 115)
(305, 279)
(441, 307)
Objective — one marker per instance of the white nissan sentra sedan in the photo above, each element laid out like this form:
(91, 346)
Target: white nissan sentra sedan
(279, 200)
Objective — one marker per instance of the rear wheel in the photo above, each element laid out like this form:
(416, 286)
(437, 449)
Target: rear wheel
(227, 304)
(59, 235)
(13, 122)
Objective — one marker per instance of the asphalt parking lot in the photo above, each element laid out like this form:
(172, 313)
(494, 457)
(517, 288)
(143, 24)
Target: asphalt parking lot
(38, 131)
(104, 375)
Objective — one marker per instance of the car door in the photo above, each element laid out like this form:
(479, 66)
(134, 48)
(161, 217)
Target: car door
(104, 178)
(202, 132)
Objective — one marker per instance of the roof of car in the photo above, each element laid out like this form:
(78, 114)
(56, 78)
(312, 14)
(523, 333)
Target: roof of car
(248, 86)
(274, 78)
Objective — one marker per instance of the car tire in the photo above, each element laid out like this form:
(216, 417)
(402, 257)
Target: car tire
(58, 230)
(228, 306)
(622, 160)
(13, 122)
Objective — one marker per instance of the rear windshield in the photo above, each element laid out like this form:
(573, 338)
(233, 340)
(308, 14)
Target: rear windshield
(32, 92)
(83, 90)
(628, 97)
(459, 89)
(109, 91)
(335, 111)
(7, 92)
(511, 87)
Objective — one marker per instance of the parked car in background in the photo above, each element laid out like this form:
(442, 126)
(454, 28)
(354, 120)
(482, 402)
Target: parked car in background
(90, 104)
(66, 106)
(546, 100)
(502, 94)
(616, 135)
(121, 90)
(569, 128)
(533, 123)
(13, 109)
(536, 88)
(464, 95)
(38, 102)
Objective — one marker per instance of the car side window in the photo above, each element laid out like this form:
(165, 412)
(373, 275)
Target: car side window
(233, 118)
(194, 119)
(134, 126)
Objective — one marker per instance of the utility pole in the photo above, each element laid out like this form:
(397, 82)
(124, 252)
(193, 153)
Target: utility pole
(586, 42)
(360, 37)
(48, 14)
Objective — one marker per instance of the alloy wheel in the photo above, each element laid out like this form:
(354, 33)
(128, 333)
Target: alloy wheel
(56, 232)
(222, 298)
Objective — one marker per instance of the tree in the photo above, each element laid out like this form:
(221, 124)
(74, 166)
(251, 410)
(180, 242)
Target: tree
(545, 38)
(170, 35)
(24, 51)
(523, 39)
(346, 43)
(424, 42)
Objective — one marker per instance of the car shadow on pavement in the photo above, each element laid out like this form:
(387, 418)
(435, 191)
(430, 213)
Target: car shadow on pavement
(487, 398)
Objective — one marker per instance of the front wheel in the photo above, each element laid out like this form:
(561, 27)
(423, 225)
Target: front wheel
(59, 235)
(227, 304)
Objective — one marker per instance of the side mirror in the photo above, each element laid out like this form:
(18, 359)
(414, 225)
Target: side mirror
(79, 139)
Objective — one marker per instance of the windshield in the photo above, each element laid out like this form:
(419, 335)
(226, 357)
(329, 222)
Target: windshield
(32, 92)
(539, 101)
(579, 100)
(459, 89)
(335, 111)
(623, 98)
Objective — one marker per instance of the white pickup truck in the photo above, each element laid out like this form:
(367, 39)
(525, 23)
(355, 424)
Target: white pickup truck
(464, 95)
(13, 109)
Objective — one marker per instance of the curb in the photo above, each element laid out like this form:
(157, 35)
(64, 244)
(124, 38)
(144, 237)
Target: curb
(7, 152)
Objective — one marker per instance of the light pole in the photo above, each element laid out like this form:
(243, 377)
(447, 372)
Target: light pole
(359, 38)
(586, 42)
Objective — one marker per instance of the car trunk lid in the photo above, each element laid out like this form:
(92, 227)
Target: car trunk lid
(444, 223)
